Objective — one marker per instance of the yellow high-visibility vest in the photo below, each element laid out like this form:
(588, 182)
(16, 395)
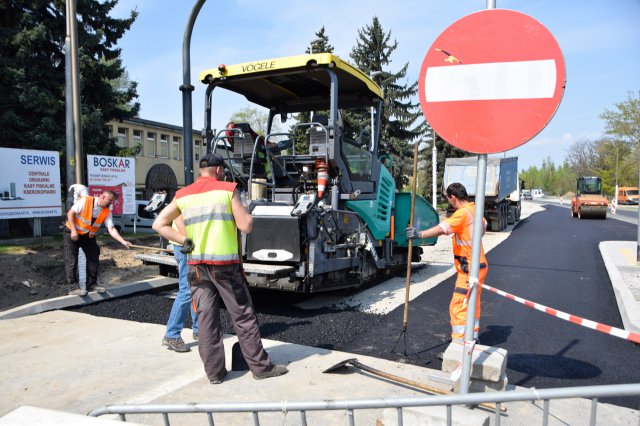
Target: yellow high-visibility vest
(208, 219)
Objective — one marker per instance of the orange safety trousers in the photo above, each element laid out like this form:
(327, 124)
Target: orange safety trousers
(459, 305)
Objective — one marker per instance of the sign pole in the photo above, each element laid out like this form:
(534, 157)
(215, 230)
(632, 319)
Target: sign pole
(476, 244)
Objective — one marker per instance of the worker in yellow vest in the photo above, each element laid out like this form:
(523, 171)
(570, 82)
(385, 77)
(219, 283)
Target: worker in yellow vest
(213, 214)
(84, 220)
(460, 225)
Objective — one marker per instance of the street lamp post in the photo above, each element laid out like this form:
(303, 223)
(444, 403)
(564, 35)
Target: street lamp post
(312, 42)
(373, 74)
(434, 169)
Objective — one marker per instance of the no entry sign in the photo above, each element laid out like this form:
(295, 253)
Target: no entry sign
(492, 81)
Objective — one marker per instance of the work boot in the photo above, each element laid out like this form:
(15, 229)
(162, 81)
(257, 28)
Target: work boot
(177, 345)
(98, 288)
(277, 370)
(216, 380)
(78, 292)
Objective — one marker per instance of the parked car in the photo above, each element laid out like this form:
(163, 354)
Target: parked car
(142, 219)
(537, 193)
(526, 194)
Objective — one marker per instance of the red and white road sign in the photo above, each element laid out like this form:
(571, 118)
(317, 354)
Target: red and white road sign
(492, 81)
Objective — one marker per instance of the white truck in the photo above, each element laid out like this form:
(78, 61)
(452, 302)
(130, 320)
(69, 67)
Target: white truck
(502, 189)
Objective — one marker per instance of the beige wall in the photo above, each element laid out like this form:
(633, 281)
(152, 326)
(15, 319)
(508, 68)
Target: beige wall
(154, 150)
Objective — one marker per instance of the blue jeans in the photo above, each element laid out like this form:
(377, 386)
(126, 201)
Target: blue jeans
(182, 303)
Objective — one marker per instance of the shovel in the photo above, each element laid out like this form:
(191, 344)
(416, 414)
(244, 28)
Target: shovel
(150, 248)
(354, 363)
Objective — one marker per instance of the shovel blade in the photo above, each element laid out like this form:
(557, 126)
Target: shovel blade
(340, 365)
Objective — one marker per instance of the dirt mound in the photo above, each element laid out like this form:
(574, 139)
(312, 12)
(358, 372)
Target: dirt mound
(35, 270)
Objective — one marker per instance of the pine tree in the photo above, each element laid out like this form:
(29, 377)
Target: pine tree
(372, 54)
(32, 72)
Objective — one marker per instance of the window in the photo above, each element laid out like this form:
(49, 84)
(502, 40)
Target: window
(164, 146)
(150, 148)
(196, 151)
(122, 138)
(175, 148)
(358, 160)
(137, 141)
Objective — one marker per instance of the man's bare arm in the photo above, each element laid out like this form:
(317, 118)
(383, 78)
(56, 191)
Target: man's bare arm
(162, 224)
(244, 220)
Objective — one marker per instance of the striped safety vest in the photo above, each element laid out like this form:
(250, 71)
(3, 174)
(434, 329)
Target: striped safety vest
(83, 220)
(208, 219)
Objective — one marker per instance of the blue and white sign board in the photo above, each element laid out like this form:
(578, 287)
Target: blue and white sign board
(29, 183)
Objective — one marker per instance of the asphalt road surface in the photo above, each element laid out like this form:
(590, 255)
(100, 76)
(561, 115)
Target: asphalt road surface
(550, 258)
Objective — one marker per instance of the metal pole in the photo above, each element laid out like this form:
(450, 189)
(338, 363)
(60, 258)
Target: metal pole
(372, 76)
(75, 89)
(70, 152)
(186, 88)
(476, 244)
(638, 223)
(434, 171)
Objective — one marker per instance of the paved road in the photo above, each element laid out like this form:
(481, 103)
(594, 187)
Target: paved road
(552, 259)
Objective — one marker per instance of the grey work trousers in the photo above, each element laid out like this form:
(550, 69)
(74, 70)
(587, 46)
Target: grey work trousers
(209, 284)
(92, 252)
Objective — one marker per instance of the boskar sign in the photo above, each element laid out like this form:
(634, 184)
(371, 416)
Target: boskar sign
(117, 174)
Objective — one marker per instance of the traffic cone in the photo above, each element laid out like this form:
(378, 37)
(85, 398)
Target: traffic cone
(323, 176)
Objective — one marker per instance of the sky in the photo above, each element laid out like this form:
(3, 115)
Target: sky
(600, 41)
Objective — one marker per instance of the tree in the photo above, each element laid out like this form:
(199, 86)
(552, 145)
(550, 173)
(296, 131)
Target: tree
(582, 157)
(319, 45)
(622, 126)
(372, 54)
(32, 72)
(257, 119)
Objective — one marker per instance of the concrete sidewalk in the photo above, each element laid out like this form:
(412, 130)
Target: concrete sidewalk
(624, 272)
(75, 363)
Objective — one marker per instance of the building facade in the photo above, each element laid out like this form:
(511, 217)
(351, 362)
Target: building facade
(159, 153)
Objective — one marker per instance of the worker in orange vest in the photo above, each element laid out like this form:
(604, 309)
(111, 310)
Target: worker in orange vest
(84, 220)
(460, 225)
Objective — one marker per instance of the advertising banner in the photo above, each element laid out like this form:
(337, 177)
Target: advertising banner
(117, 174)
(29, 183)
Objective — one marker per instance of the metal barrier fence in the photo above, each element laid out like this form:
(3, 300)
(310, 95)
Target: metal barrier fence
(350, 406)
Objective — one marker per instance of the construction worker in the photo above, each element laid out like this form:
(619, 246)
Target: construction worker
(213, 213)
(84, 220)
(460, 225)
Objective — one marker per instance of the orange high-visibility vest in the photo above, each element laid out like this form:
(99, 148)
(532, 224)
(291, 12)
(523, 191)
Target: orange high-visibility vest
(461, 225)
(83, 220)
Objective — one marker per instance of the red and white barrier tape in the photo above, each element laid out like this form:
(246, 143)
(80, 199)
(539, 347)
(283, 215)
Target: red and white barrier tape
(607, 329)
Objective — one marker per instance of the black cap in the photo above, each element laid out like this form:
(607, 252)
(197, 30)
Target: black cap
(211, 160)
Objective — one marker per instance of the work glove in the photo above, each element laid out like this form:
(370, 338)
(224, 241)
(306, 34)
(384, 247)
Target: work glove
(187, 246)
(412, 233)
